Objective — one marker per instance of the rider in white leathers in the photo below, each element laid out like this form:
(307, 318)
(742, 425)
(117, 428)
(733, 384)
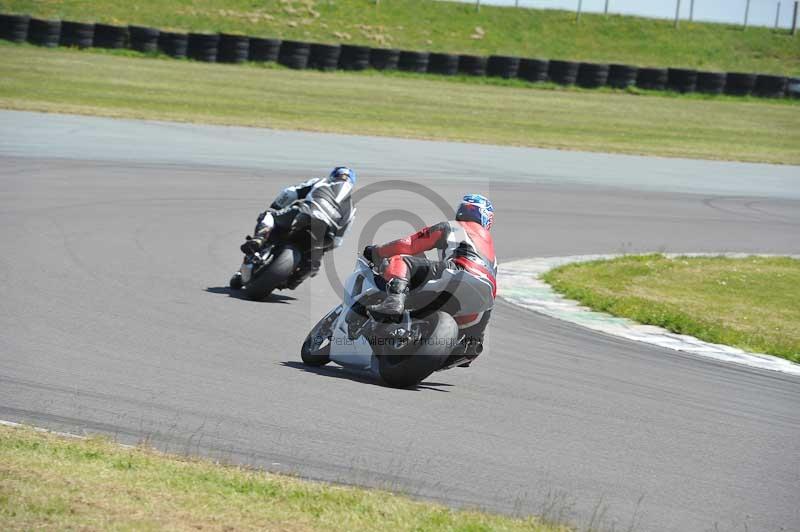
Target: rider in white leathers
(317, 212)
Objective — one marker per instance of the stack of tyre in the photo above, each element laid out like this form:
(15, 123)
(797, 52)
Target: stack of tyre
(233, 48)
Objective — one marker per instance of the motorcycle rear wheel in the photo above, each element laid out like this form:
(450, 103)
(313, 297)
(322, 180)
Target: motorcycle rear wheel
(274, 274)
(407, 367)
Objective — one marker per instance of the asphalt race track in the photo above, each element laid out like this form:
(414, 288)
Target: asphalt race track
(118, 239)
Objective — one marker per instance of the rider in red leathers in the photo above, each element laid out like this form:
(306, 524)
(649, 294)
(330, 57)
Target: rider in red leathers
(464, 244)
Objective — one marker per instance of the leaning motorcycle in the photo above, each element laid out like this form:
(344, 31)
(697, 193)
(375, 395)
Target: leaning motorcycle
(276, 264)
(402, 352)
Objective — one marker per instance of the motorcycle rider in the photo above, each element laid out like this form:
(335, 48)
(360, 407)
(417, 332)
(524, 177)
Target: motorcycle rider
(317, 212)
(464, 244)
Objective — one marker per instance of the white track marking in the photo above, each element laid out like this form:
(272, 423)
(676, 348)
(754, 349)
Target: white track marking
(62, 434)
(521, 284)
(40, 429)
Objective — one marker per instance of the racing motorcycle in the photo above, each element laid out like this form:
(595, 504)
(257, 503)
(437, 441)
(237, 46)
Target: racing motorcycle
(402, 352)
(275, 265)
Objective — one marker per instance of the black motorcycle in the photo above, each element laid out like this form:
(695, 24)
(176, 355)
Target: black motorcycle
(277, 263)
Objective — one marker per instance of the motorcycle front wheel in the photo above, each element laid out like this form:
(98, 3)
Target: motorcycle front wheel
(316, 349)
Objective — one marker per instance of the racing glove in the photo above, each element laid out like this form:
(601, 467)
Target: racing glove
(371, 253)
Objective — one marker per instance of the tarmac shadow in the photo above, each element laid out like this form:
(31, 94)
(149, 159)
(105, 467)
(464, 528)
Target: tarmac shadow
(238, 294)
(364, 377)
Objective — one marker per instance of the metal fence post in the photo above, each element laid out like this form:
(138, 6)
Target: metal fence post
(777, 15)
(477, 5)
(794, 18)
(746, 13)
(677, 12)
(578, 16)
(691, 11)
(606, 10)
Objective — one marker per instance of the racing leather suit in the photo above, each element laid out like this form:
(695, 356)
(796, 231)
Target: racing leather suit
(462, 245)
(316, 214)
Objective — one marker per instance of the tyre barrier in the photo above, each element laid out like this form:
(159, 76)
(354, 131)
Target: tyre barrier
(739, 83)
(592, 75)
(502, 66)
(681, 80)
(563, 72)
(173, 44)
(203, 47)
(44, 32)
(711, 82)
(298, 55)
(472, 65)
(793, 88)
(652, 79)
(324, 56)
(413, 61)
(354, 57)
(622, 76)
(233, 48)
(143, 39)
(264, 49)
(14, 28)
(534, 70)
(294, 54)
(109, 36)
(768, 86)
(78, 34)
(384, 58)
(444, 64)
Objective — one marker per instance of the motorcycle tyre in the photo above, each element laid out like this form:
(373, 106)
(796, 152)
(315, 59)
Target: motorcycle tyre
(274, 274)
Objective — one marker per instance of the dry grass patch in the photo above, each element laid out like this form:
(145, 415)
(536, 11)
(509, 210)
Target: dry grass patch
(52, 482)
(431, 107)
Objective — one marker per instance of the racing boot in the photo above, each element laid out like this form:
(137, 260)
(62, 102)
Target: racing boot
(251, 245)
(309, 268)
(395, 302)
(314, 255)
(264, 226)
(312, 261)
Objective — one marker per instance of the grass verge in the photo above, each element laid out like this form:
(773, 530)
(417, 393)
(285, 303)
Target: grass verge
(48, 481)
(455, 28)
(129, 85)
(752, 303)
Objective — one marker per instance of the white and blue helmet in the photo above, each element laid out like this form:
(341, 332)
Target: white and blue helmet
(476, 208)
(343, 173)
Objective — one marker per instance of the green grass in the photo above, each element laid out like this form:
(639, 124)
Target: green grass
(126, 84)
(51, 482)
(752, 303)
(451, 27)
